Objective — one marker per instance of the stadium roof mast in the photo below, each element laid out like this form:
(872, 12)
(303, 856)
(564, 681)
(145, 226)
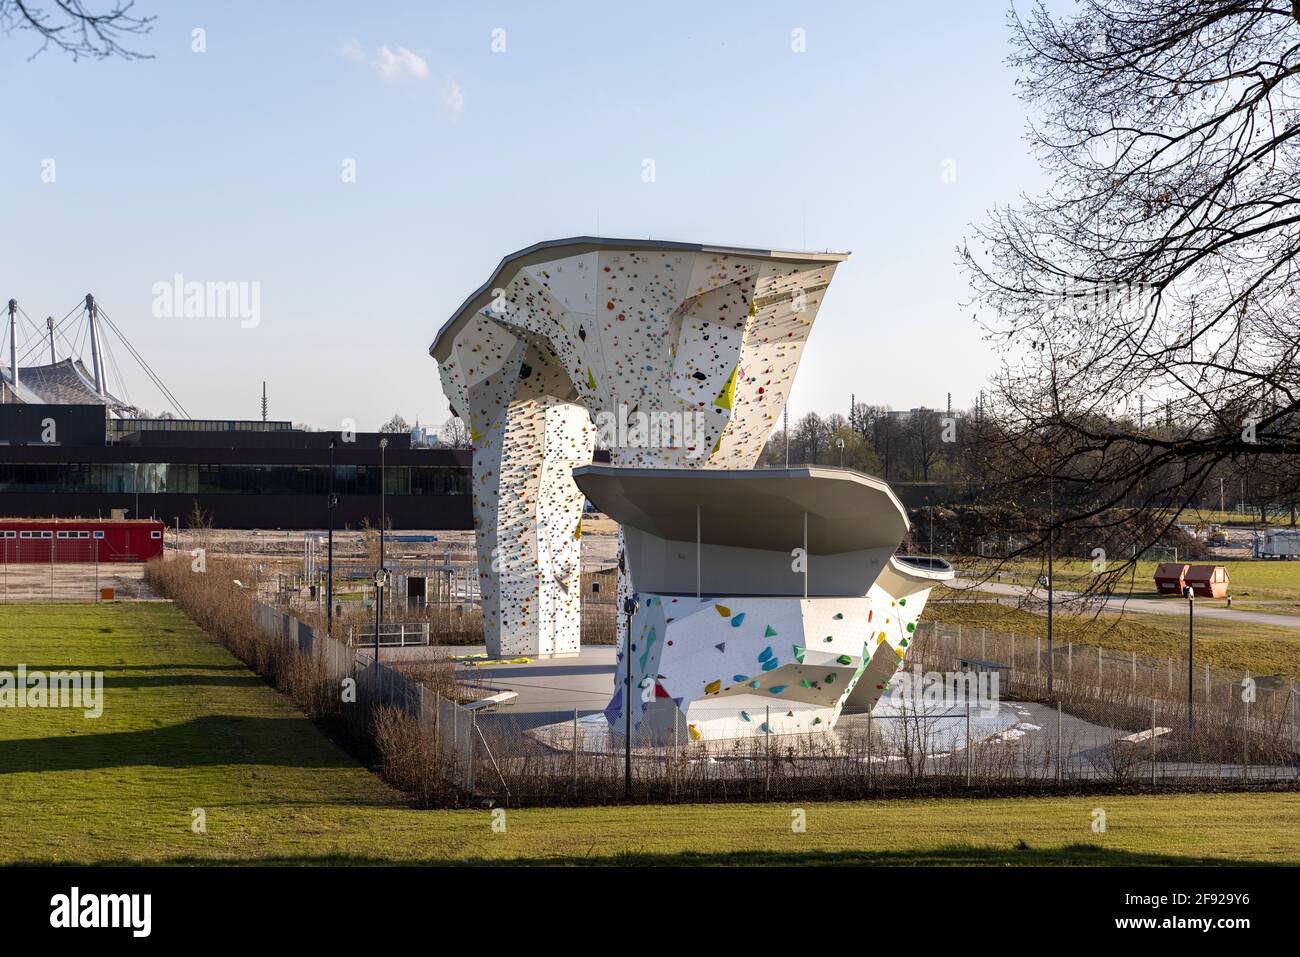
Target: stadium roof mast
(54, 355)
(92, 311)
(13, 342)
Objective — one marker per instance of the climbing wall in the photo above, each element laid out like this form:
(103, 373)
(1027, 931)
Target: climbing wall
(707, 340)
(744, 666)
(527, 510)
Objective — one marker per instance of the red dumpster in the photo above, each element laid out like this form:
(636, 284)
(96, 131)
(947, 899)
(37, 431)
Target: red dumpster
(1171, 577)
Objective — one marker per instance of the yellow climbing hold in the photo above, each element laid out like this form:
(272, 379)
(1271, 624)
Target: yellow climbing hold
(577, 532)
(722, 610)
(591, 381)
(695, 732)
(728, 393)
(713, 687)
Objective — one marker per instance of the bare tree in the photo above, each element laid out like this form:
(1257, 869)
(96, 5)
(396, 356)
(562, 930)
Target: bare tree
(71, 27)
(455, 434)
(923, 434)
(395, 424)
(1160, 266)
(810, 439)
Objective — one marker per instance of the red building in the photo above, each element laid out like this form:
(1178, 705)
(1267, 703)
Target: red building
(57, 540)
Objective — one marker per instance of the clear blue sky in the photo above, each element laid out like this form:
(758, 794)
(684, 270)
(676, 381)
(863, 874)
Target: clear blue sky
(225, 166)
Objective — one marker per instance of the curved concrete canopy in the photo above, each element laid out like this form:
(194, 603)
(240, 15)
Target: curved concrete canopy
(751, 508)
(551, 249)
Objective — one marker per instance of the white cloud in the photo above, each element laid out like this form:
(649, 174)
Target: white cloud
(456, 98)
(392, 64)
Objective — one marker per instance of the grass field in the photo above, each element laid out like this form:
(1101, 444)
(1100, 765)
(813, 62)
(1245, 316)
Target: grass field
(186, 726)
(1266, 586)
(1258, 649)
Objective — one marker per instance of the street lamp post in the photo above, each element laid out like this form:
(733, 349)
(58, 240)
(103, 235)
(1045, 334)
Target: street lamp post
(383, 520)
(381, 576)
(331, 502)
(629, 609)
(1051, 584)
(840, 443)
(1191, 644)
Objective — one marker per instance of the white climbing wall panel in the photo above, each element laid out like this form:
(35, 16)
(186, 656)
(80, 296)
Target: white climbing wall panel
(706, 339)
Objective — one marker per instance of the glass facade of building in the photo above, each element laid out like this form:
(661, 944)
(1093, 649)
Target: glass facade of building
(125, 426)
(233, 479)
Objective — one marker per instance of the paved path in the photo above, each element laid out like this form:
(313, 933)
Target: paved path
(1035, 599)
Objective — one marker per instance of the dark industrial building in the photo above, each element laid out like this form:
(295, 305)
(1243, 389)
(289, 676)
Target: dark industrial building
(77, 461)
(70, 448)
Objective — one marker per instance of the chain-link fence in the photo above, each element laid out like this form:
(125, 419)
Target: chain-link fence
(59, 569)
(1112, 718)
(373, 685)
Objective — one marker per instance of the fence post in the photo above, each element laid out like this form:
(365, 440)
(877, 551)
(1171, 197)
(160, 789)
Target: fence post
(1099, 669)
(1245, 742)
(469, 774)
(1153, 740)
(984, 634)
(1059, 740)
(1135, 672)
(437, 726)
(869, 774)
(967, 698)
(767, 743)
(1207, 682)
(1171, 674)
(1038, 657)
(575, 753)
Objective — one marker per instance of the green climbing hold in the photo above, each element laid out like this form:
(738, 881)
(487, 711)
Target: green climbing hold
(844, 660)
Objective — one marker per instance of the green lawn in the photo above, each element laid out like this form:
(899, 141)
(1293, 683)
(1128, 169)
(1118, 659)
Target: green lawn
(186, 726)
(1267, 585)
(1235, 646)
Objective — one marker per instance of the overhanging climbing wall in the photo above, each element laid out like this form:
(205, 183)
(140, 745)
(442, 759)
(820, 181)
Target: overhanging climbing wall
(679, 355)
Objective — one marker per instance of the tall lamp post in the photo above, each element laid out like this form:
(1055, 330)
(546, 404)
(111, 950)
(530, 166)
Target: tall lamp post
(331, 502)
(629, 609)
(381, 575)
(1051, 584)
(1191, 644)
